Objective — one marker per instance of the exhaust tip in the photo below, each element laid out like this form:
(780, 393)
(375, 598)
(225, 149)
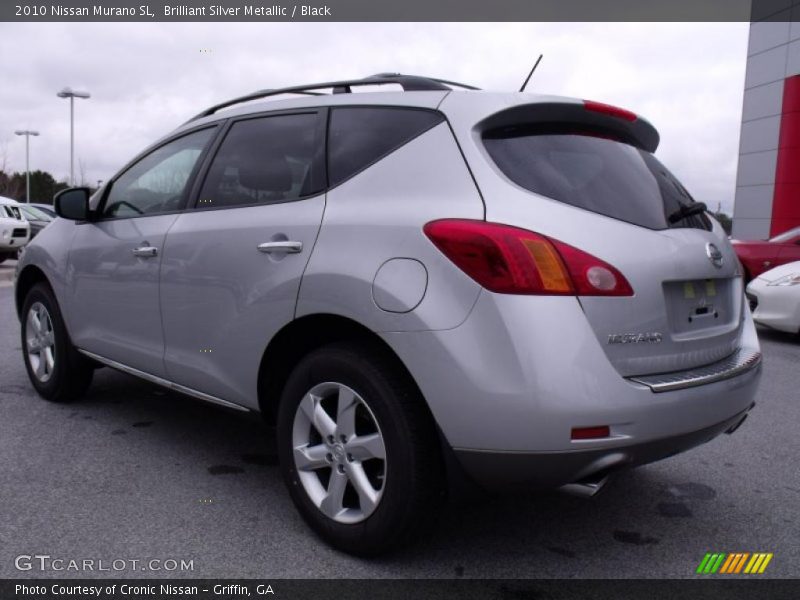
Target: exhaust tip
(586, 488)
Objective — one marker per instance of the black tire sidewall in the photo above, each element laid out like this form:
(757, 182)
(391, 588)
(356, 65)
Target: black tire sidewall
(355, 370)
(68, 368)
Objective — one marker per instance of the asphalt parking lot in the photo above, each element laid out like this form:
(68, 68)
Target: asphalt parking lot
(134, 472)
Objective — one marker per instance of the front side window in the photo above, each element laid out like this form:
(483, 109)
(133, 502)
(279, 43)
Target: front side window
(157, 183)
(264, 161)
(12, 212)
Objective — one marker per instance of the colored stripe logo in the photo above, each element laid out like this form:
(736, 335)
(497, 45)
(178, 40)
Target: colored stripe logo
(734, 563)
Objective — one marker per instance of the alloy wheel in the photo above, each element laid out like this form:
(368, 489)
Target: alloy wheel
(40, 341)
(339, 452)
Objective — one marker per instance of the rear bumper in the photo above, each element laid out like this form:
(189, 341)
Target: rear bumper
(548, 470)
(521, 372)
(739, 363)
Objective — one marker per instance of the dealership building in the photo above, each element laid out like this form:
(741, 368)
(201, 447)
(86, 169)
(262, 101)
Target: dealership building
(768, 180)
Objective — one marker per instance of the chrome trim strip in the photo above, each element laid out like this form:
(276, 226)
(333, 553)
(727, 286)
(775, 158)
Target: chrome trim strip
(738, 363)
(162, 382)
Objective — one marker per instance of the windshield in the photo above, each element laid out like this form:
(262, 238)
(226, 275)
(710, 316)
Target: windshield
(33, 213)
(786, 236)
(595, 173)
(48, 210)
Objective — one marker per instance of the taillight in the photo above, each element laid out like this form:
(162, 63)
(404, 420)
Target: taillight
(590, 275)
(510, 260)
(611, 111)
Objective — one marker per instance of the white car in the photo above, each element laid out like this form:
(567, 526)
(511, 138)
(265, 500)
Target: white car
(15, 231)
(775, 298)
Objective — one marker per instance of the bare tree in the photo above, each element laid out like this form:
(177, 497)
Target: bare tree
(3, 156)
(82, 180)
(10, 186)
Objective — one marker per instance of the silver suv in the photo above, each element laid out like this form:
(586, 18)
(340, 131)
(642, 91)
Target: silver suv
(418, 288)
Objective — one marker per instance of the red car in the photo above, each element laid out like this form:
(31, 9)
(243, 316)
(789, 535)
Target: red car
(759, 256)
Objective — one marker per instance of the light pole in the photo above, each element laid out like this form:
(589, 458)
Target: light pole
(72, 94)
(27, 133)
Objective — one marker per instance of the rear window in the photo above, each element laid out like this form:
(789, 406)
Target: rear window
(361, 136)
(595, 173)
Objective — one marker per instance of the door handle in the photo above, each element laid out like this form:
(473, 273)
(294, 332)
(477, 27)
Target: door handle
(284, 246)
(145, 251)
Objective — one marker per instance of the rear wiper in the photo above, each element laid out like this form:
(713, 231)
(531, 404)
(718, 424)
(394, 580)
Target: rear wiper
(687, 210)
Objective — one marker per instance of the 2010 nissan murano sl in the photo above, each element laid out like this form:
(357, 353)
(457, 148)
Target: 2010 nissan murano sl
(415, 287)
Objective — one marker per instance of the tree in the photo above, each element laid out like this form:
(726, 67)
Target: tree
(43, 186)
(724, 220)
(8, 186)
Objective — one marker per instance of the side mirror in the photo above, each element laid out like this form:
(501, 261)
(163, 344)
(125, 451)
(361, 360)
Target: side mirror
(72, 203)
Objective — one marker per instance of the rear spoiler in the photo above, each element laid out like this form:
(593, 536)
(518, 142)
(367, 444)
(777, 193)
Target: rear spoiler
(592, 116)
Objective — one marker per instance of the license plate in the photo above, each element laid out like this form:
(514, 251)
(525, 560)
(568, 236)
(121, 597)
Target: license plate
(695, 289)
(696, 304)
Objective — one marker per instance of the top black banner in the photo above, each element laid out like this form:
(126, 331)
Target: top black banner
(401, 10)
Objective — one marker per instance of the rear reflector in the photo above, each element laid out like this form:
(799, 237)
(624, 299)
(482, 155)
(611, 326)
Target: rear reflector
(510, 260)
(591, 433)
(611, 111)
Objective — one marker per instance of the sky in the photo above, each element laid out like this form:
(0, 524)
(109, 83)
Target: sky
(146, 79)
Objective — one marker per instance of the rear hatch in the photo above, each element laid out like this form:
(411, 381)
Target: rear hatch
(585, 175)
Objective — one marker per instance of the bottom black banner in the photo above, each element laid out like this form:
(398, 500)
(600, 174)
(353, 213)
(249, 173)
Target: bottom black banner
(379, 589)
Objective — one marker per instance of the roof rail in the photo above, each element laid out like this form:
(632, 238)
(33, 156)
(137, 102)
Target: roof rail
(409, 83)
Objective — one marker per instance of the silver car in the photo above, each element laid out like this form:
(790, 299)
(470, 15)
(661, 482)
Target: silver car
(418, 289)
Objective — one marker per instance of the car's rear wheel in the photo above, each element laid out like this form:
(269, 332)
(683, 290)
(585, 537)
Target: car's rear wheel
(359, 451)
(56, 369)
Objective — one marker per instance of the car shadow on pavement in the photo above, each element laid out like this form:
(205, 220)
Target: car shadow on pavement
(239, 437)
(765, 333)
(639, 511)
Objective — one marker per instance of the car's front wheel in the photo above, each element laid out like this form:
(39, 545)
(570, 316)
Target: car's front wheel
(359, 451)
(56, 369)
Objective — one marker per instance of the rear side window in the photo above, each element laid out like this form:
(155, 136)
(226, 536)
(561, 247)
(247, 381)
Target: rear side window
(264, 161)
(361, 136)
(595, 173)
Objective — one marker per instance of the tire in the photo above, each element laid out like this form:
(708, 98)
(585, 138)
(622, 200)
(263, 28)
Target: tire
(58, 372)
(407, 486)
